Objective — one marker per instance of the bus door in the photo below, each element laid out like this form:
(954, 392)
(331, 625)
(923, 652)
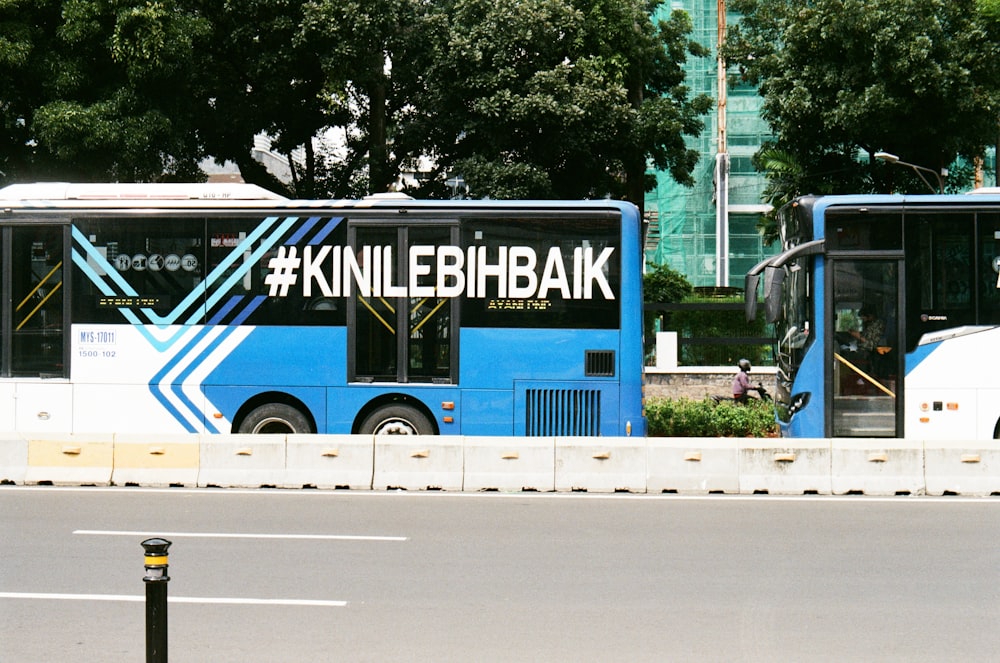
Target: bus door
(33, 331)
(866, 350)
(400, 329)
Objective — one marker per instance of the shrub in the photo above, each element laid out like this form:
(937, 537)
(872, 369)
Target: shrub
(662, 284)
(683, 417)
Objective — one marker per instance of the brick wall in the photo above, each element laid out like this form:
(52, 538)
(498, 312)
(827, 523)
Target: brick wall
(693, 386)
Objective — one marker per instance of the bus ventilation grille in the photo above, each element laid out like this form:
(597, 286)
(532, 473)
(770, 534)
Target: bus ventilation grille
(599, 363)
(563, 412)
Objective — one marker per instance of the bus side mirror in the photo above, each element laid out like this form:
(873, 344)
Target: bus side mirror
(774, 278)
(750, 296)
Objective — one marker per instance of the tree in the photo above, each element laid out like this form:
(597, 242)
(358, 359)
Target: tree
(102, 91)
(26, 28)
(547, 98)
(915, 78)
(261, 75)
(560, 98)
(371, 55)
(784, 175)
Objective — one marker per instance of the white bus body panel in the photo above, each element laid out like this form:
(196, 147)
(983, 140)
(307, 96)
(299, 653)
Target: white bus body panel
(7, 390)
(954, 392)
(147, 378)
(43, 406)
(120, 409)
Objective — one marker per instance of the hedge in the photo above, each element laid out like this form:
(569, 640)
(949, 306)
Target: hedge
(705, 418)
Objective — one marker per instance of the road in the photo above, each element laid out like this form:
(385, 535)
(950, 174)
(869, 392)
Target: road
(374, 576)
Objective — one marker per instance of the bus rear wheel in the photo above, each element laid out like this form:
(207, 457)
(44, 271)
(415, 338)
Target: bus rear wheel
(275, 418)
(396, 420)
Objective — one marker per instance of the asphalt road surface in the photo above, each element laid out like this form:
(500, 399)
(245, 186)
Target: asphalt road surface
(350, 576)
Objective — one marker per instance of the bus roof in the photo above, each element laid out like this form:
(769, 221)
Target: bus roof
(54, 196)
(130, 191)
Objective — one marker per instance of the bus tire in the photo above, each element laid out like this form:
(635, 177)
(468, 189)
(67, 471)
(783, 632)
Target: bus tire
(275, 418)
(396, 420)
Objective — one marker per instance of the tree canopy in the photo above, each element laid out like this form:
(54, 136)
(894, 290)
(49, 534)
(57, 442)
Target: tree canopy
(542, 98)
(843, 78)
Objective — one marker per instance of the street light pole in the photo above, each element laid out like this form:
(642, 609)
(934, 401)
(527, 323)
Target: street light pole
(919, 170)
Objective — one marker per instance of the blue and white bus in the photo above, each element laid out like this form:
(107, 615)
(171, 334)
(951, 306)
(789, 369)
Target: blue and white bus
(887, 311)
(222, 308)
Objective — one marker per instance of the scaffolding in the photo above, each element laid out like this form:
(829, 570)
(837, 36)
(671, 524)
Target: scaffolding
(708, 232)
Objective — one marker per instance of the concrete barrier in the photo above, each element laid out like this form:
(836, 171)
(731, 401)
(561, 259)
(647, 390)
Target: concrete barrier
(784, 467)
(156, 460)
(692, 465)
(329, 461)
(13, 458)
(70, 460)
(509, 463)
(241, 461)
(418, 462)
(877, 466)
(961, 468)
(601, 464)
(683, 465)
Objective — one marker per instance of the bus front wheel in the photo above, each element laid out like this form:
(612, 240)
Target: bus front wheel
(396, 420)
(275, 418)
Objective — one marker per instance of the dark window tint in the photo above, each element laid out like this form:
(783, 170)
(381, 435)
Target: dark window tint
(217, 271)
(147, 270)
(542, 273)
(988, 269)
(940, 274)
(273, 271)
(863, 229)
(36, 322)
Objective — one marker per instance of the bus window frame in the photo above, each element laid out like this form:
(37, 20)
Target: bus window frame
(354, 222)
(64, 224)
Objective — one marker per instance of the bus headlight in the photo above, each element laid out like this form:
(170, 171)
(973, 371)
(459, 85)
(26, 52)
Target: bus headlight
(799, 401)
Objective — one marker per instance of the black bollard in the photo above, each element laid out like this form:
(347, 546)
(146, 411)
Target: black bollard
(156, 580)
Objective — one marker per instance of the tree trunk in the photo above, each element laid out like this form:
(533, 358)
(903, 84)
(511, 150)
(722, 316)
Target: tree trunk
(378, 170)
(635, 164)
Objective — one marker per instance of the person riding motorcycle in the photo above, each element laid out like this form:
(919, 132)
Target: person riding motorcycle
(741, 383)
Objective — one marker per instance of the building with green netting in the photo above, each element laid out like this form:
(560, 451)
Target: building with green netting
(708, 232)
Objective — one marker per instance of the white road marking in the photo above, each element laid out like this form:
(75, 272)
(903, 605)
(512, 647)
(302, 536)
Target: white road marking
(240, 535)
(171, 599)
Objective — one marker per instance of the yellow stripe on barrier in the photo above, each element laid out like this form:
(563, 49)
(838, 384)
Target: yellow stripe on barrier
(57, 453)
(150, 456)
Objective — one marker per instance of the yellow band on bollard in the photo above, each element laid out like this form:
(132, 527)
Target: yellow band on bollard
(156, 560)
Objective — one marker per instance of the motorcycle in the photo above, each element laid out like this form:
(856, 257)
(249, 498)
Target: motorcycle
(761, 393)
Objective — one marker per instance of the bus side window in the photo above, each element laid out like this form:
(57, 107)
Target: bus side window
(148, 268)
(37, 301)
(989, 269)
(241, 264)
(939, 273)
